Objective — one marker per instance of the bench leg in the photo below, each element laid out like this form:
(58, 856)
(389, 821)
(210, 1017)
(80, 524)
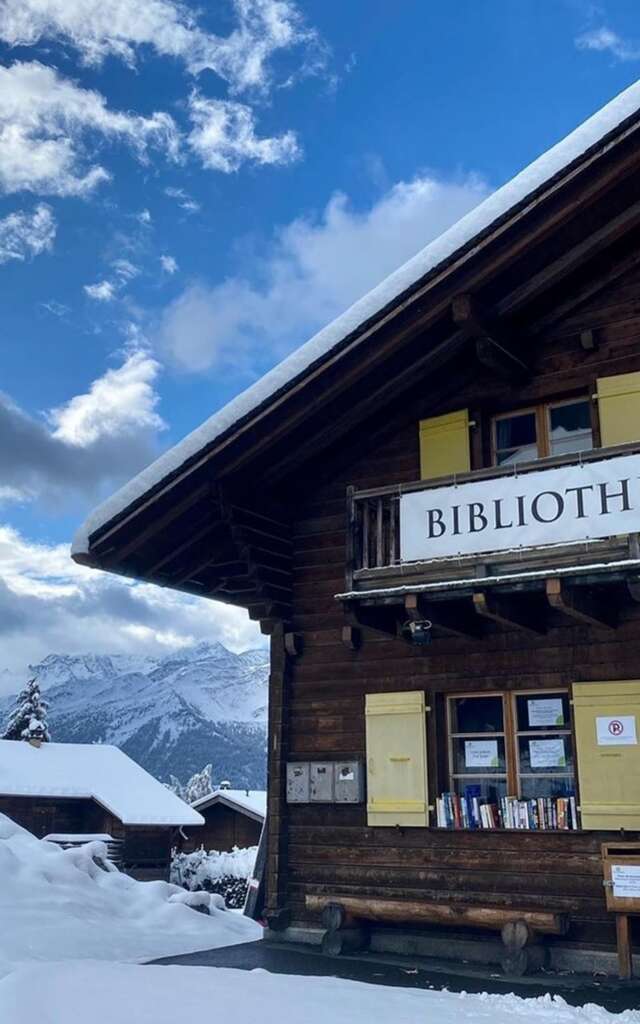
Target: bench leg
(520, 950)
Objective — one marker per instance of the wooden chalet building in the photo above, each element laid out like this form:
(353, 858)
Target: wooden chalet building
(71, 793)
(232, 817)
(433, 509)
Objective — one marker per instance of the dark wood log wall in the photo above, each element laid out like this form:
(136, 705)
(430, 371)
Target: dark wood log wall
(331, 849)
(44, 815)
(223, 829)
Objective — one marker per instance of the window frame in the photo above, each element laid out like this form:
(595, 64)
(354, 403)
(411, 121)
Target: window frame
(511, 734)
(542, 411)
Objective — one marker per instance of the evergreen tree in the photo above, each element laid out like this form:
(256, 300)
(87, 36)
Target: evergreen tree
(28, 720)
(199, 785)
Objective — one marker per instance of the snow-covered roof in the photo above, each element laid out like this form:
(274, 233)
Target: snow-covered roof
(252, 802)
(95, 771)
(502, 202)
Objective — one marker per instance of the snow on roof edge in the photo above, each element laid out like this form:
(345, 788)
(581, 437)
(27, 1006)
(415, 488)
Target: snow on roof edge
(254, 803)
(493, 208)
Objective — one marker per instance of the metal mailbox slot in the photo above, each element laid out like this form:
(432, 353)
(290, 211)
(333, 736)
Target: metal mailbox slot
(321, 782)
(349, 782)
(298, 782)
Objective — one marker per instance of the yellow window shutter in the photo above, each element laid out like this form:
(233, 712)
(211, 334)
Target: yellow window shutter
(609, 771)
(619, 408)
(444, 445)
(396, 759)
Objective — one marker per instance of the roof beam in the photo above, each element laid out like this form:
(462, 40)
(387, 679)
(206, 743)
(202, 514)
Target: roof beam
(493, 348)
(582, 605)
(156, 526)
(513, 611)
(456, 618)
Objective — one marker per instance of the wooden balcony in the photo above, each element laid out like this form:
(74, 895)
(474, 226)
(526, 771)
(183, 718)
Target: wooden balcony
(605, 571)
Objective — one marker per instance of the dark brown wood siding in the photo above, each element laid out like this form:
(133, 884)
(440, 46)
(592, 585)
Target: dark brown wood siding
(44, 815)
(223, 829)
(330, 849)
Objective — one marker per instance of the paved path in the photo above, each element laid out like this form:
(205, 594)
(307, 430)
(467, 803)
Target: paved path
(416, 972)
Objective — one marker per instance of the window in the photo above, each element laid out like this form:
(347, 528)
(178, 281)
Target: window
(511, 762)
(557, 428)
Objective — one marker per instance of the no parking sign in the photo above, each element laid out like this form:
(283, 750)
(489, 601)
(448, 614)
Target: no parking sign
(616, 730)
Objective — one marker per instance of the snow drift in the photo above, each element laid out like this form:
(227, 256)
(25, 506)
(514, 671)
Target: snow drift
(72, 904)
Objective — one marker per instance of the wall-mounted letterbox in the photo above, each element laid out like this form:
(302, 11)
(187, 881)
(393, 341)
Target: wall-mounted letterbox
(348, 782)
(321, 782)
(298, 782)
(325, 782)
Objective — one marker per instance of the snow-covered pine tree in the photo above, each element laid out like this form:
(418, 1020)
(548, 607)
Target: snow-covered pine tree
(28, 720)
(199, 785)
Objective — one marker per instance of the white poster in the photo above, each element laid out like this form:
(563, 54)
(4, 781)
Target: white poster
(545, 711)
(616, 731)
(626, 881)
(547, 753)
(481, 753)
(546, 506)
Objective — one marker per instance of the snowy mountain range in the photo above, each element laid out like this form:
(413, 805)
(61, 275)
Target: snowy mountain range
(172, 714)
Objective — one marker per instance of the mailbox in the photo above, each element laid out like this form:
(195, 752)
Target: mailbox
(321, 782)
(348, 782)
(298, 782)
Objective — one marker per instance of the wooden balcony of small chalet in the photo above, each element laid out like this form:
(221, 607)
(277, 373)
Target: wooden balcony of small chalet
(590, 581)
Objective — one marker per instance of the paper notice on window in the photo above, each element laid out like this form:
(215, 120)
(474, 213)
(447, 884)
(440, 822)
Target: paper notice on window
(481, 753)
(616, 731)
(547, 754)
(626, 881)
(545, 711)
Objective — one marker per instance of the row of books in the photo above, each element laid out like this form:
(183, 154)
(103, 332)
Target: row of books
(472, 811)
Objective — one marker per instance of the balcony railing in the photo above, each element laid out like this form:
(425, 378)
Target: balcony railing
(373, 537)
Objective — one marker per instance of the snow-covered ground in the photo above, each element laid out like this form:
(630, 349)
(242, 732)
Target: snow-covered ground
(59, 905)
(125, 994)
(72, 938)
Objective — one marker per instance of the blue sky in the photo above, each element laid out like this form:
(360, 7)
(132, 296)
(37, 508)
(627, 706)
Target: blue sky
(187, 193)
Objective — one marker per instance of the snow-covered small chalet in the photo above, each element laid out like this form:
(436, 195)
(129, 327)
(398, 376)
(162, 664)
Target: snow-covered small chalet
(232, 817)
(66, 791)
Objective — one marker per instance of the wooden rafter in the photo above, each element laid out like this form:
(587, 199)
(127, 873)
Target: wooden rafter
(515, 611)
(494, 348)
(454, 617)
(581, 604)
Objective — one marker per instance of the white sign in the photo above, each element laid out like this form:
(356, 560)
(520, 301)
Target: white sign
(546, 711)
(547, 753)
(626, 881)
(616, 731)
(481, 753)
(547, 506)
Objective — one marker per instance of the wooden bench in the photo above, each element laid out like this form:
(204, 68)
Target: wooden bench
(347, 920)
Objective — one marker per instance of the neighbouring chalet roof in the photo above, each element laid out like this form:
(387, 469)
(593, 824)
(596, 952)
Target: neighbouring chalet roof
(94, 771)
(252, 803)
(459, 243)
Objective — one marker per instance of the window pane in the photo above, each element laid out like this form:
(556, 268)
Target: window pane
(570, 428)
(543, 713)
(545, 755)
(516, 431)
(476, 714)
(525, 454)
(485, 790)
(479, 757)
(533, 789)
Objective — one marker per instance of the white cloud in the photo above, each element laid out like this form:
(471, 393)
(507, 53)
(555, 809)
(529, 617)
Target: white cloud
(122, 401)
(605, 40)
(316, 268)
(101, 291)
(101, 28)
(169, 264)
(49, 604)
(46, 122)
(144, 217)
(125, 270)
(184, 200)
(224, 136)
(26, 234)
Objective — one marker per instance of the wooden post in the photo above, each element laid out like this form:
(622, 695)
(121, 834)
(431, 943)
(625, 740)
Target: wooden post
(277, 818)
(625, 963)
